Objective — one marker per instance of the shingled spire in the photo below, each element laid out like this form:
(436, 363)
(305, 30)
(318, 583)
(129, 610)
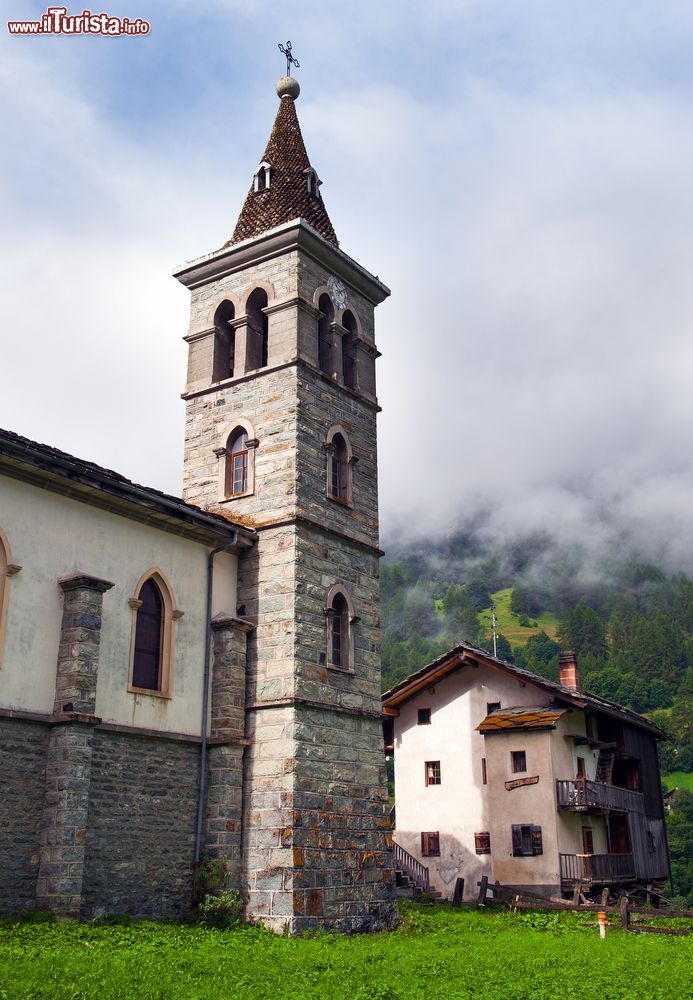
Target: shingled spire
(285, 186)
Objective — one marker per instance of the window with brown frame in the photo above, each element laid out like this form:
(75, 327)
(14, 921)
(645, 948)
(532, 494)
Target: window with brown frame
(580, 767)
(482, 843)
(484, 777)
(527, 840)
(518, 760)
(432, 772)
(236, 480)
(423, 717)
(430, 845)
(587, 840)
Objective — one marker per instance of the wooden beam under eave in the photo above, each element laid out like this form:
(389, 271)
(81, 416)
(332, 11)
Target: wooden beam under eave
(391, 713)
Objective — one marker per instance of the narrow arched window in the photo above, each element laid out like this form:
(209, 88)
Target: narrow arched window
(7, 570)
(146, 668)
(339, 469)
(261, 179)
(258, 331)
(237, 464)
(224, 342)
(325, 334)
(349, 350)
(312, 182)
(339, 631)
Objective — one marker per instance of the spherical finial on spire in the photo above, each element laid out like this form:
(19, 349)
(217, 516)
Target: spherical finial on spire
(288, 87)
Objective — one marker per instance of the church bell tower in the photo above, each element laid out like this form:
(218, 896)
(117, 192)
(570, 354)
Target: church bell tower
(281, 435)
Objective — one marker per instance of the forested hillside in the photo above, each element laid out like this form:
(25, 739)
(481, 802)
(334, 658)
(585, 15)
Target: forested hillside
(631, 626)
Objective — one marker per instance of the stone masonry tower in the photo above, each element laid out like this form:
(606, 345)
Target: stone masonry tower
(281, 435)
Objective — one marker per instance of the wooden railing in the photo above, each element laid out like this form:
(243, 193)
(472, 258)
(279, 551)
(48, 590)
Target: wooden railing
(412, 867)
(582, 795)
(596, 867)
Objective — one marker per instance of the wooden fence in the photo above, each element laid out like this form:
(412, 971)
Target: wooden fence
(628, 915)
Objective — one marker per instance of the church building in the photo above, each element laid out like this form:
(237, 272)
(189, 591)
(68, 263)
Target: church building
(193, 678)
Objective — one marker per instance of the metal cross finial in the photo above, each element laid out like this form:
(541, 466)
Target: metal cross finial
(286, 50)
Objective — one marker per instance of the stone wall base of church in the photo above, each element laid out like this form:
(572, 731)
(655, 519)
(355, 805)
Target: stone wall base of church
(140, 824)
(23, 748)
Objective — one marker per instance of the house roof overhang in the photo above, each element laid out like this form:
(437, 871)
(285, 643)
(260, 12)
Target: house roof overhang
(466, 655)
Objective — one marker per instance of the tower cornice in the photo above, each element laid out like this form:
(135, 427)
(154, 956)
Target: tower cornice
(289, 237)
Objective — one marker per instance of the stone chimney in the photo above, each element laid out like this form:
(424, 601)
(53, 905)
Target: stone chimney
(568, 670)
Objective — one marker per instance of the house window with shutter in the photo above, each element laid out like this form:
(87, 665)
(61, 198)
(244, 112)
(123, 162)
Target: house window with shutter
(482, 843)
(484, 776)
(527, 841)
(432, 772)
(430, 845)
(519, 761)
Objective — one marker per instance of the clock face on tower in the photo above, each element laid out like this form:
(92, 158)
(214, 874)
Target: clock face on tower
(338, 292)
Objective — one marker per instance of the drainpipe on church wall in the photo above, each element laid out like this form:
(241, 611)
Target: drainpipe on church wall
(205, 698)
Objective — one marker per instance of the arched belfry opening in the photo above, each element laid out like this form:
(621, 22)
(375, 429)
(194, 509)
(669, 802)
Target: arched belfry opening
(325, 334)
(257, 351)
(224, 342)
(349, 363)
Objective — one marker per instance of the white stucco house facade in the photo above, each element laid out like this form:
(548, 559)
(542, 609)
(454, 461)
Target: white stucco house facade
(533, 784)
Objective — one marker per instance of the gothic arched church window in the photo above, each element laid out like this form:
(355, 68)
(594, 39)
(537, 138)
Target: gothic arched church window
(154, 619)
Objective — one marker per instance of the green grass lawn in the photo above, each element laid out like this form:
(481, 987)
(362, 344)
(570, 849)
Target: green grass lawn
(678, 779)
(437, 952)
(509, 625)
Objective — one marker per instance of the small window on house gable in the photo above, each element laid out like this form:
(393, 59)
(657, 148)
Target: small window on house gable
(519, 761)
(432, 772)
(423, 717)
(492, 706)
(430, 845)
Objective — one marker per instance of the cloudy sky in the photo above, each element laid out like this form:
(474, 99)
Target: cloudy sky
(519, 172)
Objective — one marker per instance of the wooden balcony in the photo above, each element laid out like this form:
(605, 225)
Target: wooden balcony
(581, 795)
(596, 869)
